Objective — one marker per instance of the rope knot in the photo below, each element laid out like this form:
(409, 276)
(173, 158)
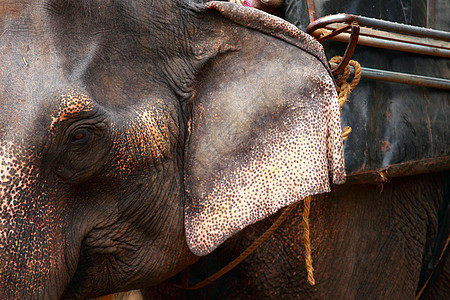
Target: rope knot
(344, 88)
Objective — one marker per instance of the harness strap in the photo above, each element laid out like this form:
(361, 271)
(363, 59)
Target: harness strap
(432, 273)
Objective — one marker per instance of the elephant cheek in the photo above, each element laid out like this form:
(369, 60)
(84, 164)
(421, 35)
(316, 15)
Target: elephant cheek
(32, 240)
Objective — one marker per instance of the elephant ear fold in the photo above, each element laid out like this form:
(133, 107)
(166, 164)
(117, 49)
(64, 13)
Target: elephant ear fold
(264, 133)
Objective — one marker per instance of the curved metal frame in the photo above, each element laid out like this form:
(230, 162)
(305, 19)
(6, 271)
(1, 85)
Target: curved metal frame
(419, 40)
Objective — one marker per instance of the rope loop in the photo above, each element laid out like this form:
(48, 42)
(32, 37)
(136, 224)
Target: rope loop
(344, 88)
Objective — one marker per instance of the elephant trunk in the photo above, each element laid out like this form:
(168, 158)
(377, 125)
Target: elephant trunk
(33, 246)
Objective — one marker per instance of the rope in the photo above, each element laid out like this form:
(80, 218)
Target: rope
(321, 33)
(306, 240)
(344, 88)
(432, 273)
(246, 253)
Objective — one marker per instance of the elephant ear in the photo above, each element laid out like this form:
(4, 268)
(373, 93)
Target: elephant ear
(264, 131)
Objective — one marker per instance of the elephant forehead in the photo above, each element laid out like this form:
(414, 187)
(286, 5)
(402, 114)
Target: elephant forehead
(71, 104)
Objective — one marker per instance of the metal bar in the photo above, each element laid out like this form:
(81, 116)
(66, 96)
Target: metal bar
(380, 24)
(411, 79)
(336, 31)
(429, 42)
(394, 45)
(311, 10)
(403, 28)
(322, 22)
(431, 13)
(348, 51)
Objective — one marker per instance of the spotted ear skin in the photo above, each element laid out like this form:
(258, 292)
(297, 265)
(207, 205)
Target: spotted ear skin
(265, 133)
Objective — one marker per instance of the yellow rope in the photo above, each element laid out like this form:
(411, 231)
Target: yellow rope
(344, 88)
(306, 240)
(320, 33)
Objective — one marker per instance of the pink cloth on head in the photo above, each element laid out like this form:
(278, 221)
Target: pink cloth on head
(261, 6)
(251, 3)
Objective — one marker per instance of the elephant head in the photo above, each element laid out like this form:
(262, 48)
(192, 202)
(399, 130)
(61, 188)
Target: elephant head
(136, 135)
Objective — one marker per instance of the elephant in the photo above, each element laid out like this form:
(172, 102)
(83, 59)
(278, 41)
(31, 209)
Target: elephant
(145, 144)
(137, 136)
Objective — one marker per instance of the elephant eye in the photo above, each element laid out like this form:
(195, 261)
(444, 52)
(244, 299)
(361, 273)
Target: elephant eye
(81, 136)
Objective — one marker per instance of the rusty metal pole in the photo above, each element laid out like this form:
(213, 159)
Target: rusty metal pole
(411, 79)
(412, 38)
(403, 28)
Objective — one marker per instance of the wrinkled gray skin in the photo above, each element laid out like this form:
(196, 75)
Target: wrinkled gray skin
(95, 103)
